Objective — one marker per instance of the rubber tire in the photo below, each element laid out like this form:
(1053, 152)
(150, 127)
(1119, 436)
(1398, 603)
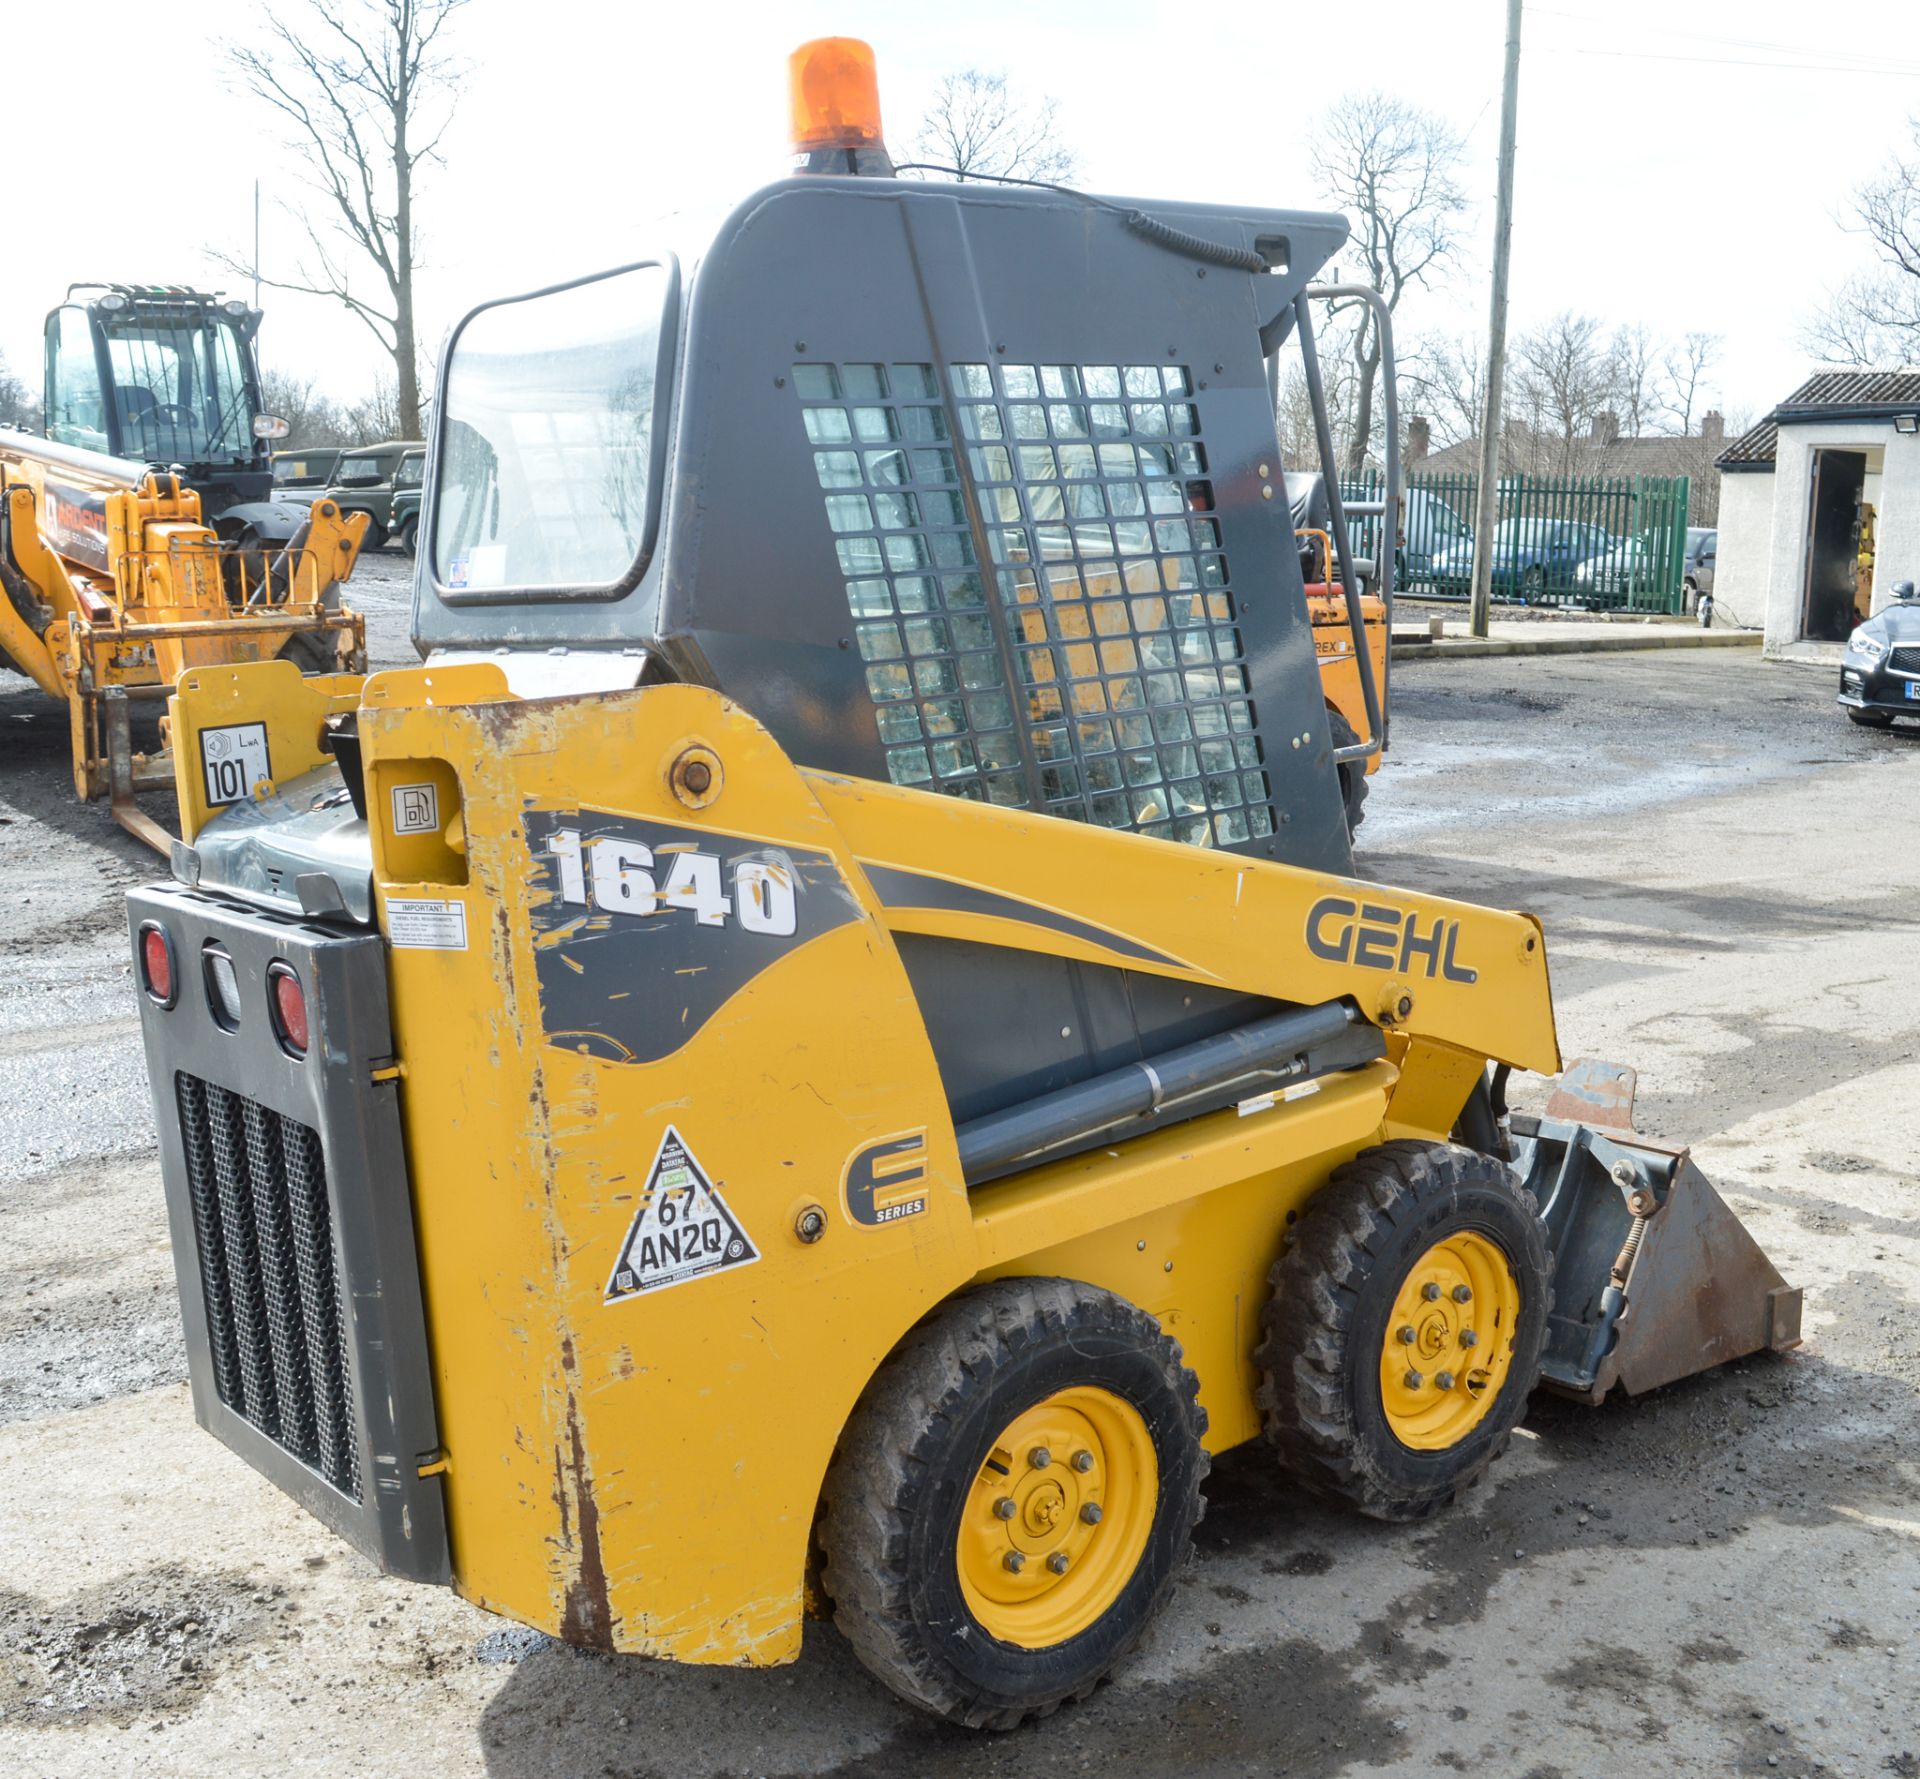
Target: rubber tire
(1533, 583)
(911, 1451)
(1353, 776)
(311, 651)
(1333, 1290)
(1870, 719)
(409, 536)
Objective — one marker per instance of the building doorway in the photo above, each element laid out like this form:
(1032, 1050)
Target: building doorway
(1828, 612)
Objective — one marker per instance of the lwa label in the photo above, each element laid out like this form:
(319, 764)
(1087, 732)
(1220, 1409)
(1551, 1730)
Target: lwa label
(683, 1229)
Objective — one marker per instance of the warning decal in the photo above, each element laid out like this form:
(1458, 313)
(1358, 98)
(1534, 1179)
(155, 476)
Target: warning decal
(683, 1229)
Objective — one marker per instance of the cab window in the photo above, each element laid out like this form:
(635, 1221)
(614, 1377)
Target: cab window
(545, 478)
(76, 410)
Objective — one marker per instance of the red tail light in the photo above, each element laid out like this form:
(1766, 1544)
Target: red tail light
(156, 963)
(289, 1007)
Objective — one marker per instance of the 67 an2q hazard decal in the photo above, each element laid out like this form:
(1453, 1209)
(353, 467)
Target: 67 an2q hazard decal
(683, 1229)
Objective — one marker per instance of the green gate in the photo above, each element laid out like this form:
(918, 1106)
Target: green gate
(1597, 543)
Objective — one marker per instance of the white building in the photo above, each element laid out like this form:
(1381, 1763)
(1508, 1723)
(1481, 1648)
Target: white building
(1820, 508)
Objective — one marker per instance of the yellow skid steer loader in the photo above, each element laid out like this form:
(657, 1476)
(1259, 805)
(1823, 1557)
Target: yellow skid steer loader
(825, 1047)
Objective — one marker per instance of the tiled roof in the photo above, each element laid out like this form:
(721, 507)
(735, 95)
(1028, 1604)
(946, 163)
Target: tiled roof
(1854, 389)
(1753, 449)
(1829, 395)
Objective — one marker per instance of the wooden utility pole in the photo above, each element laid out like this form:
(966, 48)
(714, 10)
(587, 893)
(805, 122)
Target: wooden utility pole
(1486, 495)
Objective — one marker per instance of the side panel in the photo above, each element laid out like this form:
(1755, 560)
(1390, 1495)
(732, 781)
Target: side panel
(637, 1435)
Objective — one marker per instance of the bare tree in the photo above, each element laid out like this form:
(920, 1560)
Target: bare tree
(368, 91)
(1446, 381)
(376, 416)
(1564, 390)
(978, 127)
(1873, 320)
(18, 406)
(1636, 377)
(313, 419)
(1684, 367)
(1393, 167)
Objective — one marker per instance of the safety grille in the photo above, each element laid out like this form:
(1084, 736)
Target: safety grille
(264, 1227)
(1092, 665)
(1905, 661)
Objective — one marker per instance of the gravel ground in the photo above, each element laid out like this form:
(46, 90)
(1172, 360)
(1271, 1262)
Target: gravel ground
(1722, 1578)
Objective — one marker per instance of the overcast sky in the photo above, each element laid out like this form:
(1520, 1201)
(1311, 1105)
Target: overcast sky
(1682, 163)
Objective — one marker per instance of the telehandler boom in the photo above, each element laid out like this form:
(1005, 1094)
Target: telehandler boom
(825, 1047)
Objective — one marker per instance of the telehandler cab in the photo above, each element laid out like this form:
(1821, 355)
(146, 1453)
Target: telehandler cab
(825, 1047)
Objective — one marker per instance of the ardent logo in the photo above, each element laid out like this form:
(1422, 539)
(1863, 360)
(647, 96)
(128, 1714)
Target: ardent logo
(1377, 937)
(887, 1180)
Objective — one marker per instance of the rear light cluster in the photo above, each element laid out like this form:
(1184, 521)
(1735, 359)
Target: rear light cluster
(286, 994)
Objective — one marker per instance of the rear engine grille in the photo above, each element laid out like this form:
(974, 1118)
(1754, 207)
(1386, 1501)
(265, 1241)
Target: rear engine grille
(1905, 660)
(264, 1227)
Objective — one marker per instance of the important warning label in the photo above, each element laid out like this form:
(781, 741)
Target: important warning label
(683, 1229)
(423, 923)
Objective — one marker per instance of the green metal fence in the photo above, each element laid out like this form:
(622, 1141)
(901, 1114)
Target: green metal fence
(1599, 543)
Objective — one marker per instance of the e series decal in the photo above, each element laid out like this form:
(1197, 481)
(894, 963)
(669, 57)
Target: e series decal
(647, 929)
(887, 1180)
(1377, 937)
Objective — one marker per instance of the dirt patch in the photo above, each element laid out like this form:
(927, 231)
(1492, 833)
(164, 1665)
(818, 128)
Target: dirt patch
(553, 1714)
(143, 1646)
(1302, 1562)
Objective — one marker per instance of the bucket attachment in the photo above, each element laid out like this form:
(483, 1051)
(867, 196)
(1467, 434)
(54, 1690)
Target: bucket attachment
(1654, 1277)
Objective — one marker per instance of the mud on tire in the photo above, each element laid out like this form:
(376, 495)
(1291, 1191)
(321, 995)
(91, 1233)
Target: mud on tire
(1327, 1322)
(908, 1462)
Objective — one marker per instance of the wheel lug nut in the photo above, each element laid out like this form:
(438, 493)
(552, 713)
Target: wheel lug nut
(1430, 1291)
(1468, 1338)
(1443, 1380)
(1039, 1457)
(1083, 1462)
(1015, 1561)
(1414, 1380)
(1462, 1294)
(1405, 1337)
(1091, 1513)
(1004, 1509)
(1058, 1562)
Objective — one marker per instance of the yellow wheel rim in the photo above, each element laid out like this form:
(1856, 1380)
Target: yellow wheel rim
(1449, 1342)
(1058, 1517)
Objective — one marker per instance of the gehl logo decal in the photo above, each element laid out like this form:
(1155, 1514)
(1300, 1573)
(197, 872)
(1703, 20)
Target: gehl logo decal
(887, 1180)
(1377, 937)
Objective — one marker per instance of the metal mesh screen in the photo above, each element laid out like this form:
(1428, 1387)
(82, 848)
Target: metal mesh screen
(263, 1224)
(1053, 575)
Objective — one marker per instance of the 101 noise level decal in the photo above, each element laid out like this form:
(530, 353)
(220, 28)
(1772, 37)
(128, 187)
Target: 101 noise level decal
(683, 1229)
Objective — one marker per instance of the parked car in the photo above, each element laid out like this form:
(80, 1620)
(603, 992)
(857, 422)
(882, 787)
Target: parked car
(1880, 671)
(1533, 557)
(1429, 528)
(1636, 567)
(1702, 547)
(304, 469)
(366, 479)
(406, 507)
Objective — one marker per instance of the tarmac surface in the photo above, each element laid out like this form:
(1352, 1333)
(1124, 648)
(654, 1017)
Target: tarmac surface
(1721, 1578)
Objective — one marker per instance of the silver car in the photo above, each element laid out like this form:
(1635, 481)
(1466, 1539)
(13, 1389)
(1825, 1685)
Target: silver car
(1702, 545)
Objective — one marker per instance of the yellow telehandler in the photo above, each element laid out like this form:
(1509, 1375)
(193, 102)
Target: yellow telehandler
(138, 537)
(825, 1047)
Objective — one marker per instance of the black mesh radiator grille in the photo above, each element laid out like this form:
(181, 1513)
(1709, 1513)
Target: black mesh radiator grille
(264, 1227)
